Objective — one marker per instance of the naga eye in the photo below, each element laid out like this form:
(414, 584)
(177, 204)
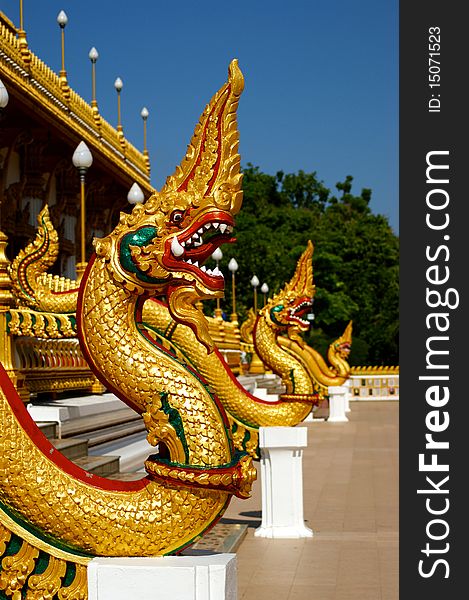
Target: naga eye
(176, 216)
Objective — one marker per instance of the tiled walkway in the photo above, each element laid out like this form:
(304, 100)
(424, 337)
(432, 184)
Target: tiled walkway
(350, 478)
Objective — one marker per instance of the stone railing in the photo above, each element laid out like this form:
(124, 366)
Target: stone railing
(44, 353)
(53, 365)
(374, 383)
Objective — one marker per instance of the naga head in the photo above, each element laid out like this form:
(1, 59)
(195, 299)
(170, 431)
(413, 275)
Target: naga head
(343, 345)
(161, 247)
(287, 310)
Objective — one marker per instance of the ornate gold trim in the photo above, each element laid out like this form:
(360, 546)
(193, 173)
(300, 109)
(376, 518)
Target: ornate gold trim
(45, 325)
(46, 585)
(78, 589)
(377, 370)
(15, 570)
(237, 478)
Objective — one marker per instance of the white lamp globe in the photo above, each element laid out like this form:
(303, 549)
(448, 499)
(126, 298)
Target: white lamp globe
(135, 195)
(93, 55)
(3, 95)
(82, 158)
(217, 255)
(62, 19)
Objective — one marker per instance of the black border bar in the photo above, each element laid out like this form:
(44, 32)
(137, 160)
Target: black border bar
(434, 366)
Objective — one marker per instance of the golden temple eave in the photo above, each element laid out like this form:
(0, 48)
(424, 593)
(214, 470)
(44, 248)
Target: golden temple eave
(31, 80)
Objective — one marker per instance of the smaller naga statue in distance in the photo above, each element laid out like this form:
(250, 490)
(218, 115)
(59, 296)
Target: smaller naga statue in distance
(54, 517)
(278, 342)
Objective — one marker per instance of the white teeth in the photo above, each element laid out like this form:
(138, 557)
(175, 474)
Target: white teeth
(216, 225)
(209, 272)
(223, 226)
(202, 268)
(196, 264)
(207, 226)
(217, 272)
(183, 244)
(198, 243)
(176, 247)
(189, 262)
(229, 229)
(196, 236)
(201, 230)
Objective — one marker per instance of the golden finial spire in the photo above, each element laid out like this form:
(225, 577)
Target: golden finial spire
(303, 277)
(211, 166)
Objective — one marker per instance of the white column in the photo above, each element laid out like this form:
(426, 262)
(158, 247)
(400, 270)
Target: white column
(163, 578)
(282, 482)
(348, 395)
(337, 404)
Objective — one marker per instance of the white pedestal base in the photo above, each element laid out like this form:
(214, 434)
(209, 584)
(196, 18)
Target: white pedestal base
(282, 482)
(347, 404)
(163, 578)
(348, 394)
(337, 404)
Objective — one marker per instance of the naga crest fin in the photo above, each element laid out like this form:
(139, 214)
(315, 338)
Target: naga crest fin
(301, 284)
(302, 280)
(344, 342)
(211, 166)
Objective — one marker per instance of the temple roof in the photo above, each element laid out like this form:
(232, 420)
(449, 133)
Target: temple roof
(33, 84)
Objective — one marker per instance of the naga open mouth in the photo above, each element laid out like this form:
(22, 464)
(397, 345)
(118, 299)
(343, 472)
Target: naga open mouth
(299, 311)
(345, 349)
(189, 250)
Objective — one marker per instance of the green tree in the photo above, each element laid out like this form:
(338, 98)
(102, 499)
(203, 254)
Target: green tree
(355, 261)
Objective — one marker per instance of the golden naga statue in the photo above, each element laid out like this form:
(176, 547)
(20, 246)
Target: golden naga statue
(51, 511)
(290, 357)
(285, 313)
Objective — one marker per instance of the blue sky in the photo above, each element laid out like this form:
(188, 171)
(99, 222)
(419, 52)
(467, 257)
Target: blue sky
(321, 90)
